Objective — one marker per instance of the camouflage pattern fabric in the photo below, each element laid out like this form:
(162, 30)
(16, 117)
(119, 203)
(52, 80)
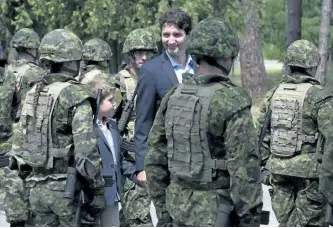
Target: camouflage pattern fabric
(60, 45)
(51, 208)
(14, 200)
(214, 38)
(139, 39)
(7, 93)
(305, 163)
(232, 137)
(135, 204)
(296, 201)
(24, 82)
(296, 178)
(96, 50)
(78, 130)
(302, 53)
(92, 71)
(26, 38)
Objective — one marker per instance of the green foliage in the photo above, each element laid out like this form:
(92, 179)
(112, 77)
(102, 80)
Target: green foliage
(271, 51)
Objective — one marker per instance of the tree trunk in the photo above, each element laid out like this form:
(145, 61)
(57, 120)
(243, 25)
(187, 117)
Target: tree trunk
(294, 21)
(324, 33)
(114, 59)
(253, 72)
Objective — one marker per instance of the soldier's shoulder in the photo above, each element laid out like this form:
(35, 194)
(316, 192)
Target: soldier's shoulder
(232, 96)
(74, 94)
(318, 93)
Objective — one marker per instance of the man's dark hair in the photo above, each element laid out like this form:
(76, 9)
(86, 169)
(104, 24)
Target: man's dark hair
(179, 18)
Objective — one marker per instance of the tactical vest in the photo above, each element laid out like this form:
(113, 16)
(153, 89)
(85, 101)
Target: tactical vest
(287, 135)
(19, 73)
(37, 149)
(189, 155)
(130, 83)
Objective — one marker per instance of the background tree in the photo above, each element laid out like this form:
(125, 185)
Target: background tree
(324, 33)
(253, 72)
(294, 21)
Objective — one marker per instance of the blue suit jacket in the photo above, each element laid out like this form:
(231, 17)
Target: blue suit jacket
(156, 77)
(124, 165)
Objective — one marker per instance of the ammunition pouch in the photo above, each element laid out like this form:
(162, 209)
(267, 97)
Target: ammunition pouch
(4, 161)
(109, 181)
(127, 145)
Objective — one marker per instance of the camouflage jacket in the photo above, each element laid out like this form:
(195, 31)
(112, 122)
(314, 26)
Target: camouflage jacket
(32, 74)
(7, 94)
(73, 105)
(231, 135)
(317, 112)
(90, 72)
(121, 80)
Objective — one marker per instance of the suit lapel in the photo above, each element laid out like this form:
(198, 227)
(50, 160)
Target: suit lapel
(101, 135)
(168, 69)
(115, 136)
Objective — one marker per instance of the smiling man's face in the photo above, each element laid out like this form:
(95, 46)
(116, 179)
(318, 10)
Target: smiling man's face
(173, 39)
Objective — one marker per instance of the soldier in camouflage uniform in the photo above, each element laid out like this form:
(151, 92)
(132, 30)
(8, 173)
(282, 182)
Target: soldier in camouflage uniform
(202, 162)
(96, 59)
(55, 132)
(299, 115)
(139, 47)
(25, 42)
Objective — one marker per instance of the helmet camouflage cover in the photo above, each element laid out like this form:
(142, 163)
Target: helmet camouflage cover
(139, 39)
(302, 53)
(26, 38)
(213, 37)
(96, 50)
(60, 45)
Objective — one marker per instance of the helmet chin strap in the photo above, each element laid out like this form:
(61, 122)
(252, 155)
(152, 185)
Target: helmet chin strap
(213, 62)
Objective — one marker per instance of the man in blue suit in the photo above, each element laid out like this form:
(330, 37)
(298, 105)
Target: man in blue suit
(157, 76)
(114, 162)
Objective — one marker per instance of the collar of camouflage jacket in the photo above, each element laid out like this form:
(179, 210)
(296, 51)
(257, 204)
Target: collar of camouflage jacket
(57, 77)
(204, 78)
(299, 78)
(21, 62)
(95, 67)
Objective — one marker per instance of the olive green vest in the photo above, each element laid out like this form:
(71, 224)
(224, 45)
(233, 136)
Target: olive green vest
(19, 73)
(130, 83)
(189, 155)
(36, 131)
(287, 135)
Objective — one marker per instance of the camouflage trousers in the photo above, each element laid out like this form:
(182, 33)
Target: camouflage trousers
(297, 201)
(135, 210)
(49, 205)
(15, 197)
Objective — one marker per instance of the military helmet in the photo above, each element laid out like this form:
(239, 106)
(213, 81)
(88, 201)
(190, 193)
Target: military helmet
(96, 50)
(139, 39)
(60, 45)
(26, 38)
(213, 37)
(302, 53)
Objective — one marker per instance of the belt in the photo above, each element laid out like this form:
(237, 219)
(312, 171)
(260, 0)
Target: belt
(108, 181)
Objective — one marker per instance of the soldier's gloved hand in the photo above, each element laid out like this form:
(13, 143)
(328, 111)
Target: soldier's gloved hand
(165, 220)
(266, 177)
(97, 205)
